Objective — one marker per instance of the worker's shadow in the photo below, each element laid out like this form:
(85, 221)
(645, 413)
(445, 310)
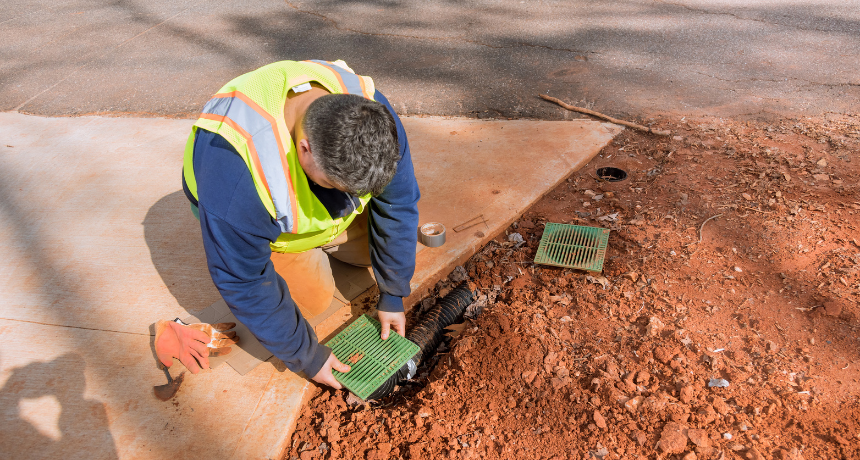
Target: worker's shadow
(45, 415)
(173, 236)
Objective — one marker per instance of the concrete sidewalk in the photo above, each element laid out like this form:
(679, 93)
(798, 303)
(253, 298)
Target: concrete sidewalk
(99, 243)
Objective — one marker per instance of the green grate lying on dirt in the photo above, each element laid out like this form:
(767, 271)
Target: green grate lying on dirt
(372, 359)
(573, 246)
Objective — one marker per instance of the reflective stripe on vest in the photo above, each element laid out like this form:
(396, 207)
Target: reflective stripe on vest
(348, 80)
(260, 133)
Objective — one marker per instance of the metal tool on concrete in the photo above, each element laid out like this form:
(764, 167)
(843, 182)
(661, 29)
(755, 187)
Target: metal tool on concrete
(431, 234)
(168, 390)
(470, 223)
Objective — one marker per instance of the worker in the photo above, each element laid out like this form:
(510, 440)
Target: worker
(287, 165)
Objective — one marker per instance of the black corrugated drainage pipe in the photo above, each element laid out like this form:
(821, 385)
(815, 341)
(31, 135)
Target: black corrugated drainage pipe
(428, 333)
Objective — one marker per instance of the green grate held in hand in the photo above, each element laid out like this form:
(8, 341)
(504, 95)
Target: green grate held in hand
(372, 360)
(573, 246)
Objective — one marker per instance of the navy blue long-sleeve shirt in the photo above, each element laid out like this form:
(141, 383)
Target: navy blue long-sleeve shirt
(237, 231)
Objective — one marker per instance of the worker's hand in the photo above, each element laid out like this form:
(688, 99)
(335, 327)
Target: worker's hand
(192, 344)
(325, 376)
(396, 320)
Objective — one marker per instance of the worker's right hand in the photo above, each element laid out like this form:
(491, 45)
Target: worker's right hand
(325, 376)
(192, 344)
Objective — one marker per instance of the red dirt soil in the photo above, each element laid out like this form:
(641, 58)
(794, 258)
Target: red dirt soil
(562, 365)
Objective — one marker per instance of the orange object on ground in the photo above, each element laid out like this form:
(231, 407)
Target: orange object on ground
(192, 344)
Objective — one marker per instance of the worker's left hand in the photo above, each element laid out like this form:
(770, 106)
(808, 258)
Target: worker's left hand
(396, 320)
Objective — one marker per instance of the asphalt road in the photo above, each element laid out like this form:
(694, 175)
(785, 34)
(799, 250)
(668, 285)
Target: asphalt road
(751, 58)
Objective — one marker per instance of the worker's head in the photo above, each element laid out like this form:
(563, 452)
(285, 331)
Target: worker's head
(353, 143)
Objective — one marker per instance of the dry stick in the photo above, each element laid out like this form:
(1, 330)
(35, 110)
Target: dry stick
(628, 124)
(700, 231)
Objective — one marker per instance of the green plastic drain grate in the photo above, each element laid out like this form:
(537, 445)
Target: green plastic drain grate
(372, 360)
(573, 246)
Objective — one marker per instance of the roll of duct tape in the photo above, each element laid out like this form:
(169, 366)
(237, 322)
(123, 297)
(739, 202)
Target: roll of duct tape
(431, 234)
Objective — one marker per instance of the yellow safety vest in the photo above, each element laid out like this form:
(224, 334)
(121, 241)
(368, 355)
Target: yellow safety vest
(249, 113)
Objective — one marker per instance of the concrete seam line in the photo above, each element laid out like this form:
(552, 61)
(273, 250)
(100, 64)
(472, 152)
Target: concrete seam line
(75, 327)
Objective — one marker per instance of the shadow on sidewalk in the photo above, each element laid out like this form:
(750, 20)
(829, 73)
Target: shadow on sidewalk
(173, 237)
(33, 392)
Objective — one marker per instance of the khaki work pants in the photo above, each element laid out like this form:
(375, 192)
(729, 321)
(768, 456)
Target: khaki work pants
(308, 274)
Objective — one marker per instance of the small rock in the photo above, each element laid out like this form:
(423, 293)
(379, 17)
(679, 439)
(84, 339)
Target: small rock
(673, 439)
(719, 383)
(699, 438)
(677, 138)
(753, 454)
(663, 354)
(736, 446)
(771, 347)
(655, 403)
(706, 414)
(600, 452)
(633, 404)
(689, 456)
(516, 238)
(739, 269)
(686, 394)
(821, 163)
(727, 436)
(529, 376)
(721, 407)
(599, 420)
(821, 177)
(612, 370)
(747, 196)
(654, 326)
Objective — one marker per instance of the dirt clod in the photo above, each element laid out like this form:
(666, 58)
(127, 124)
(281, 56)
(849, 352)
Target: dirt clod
(673, 439)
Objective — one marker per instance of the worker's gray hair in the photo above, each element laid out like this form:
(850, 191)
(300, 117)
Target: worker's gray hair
(353, 141)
